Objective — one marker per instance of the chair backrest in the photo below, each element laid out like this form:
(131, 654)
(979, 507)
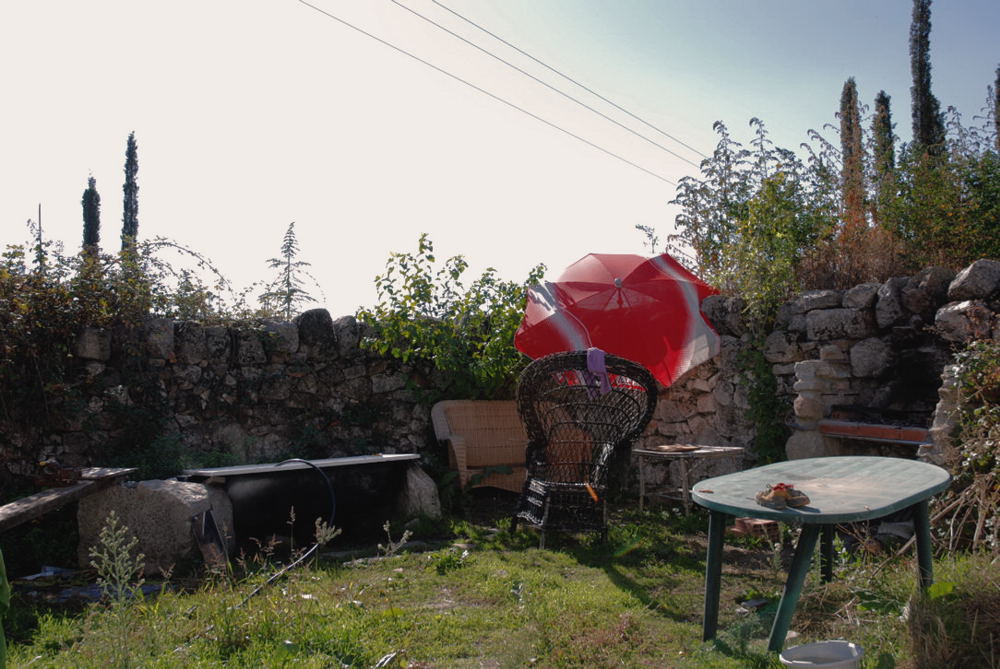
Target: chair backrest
(575, 426)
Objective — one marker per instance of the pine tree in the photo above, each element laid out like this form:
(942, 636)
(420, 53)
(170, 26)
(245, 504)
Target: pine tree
(885, 154)
(91, 217)
(130, 210)
(853, 187)
(928, 121)
(286, 291)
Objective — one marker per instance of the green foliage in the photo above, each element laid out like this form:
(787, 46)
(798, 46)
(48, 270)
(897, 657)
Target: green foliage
(979, 389)
(130, 208)
(957, 623)
(928, 124)
(767, 411)
(884, 155)
(119, 568)
(752, 216)
(635, 602)
(117, 562)
(427, 315)
(91, 216)
(947, 211)
(852, 157)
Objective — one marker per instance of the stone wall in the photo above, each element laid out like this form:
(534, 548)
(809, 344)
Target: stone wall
(264, 391)
(253, 392)
(877, 352)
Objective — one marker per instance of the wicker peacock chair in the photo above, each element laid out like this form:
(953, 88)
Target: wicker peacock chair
(578, 421)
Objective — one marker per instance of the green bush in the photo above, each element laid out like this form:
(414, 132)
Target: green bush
(426, 315)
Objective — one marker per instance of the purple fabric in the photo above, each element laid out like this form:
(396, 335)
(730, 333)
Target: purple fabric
(596, 366)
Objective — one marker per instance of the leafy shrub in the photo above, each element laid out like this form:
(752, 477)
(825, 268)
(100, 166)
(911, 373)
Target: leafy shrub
(427, 315)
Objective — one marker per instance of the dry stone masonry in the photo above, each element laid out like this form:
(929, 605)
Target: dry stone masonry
(268, 390)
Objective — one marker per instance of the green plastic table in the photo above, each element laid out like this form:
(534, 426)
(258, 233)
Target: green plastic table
(841, 490)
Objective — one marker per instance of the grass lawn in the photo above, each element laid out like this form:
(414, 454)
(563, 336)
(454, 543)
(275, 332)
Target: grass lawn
(476, 595)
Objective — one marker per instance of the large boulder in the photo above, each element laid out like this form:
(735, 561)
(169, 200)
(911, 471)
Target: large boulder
(964, 321)
(315, 327)
(158, 513)
(978, 281)
(926, 291)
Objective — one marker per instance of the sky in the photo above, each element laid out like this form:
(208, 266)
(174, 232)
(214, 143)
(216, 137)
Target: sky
(252, 114)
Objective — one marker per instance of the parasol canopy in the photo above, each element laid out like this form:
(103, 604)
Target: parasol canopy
(643, 309)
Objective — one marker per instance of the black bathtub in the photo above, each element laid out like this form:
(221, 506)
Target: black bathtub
(263, 496)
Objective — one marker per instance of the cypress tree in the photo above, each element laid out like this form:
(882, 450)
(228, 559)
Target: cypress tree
(928, 122)
(885, 153)
(91, 217)
(853, 188)
(130, 210)
(996, 107)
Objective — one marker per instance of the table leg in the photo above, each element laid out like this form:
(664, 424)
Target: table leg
(793, 586)
(642, 482)
(922, 531)
(713, 573)
(826, 553)
(685, 485)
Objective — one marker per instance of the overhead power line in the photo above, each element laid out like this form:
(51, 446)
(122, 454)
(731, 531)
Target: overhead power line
(567, 77)
(486, 92)
(543, 83)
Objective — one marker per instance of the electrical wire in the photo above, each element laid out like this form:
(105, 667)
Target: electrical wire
(568, 78)
(540, 81)
(487, 93)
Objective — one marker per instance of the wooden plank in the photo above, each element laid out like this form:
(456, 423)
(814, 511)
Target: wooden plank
(99, 473)
(35, 506)
(873, 432)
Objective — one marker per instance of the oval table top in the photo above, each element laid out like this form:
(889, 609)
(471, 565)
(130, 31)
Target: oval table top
(840, 488)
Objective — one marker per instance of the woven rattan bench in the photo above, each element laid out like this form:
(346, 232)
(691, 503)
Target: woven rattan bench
(486, 441)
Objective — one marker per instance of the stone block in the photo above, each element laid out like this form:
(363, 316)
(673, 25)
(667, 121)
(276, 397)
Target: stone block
(158, 513)
(93, 344)
(280, 337)
(862, 296)
(700, 385)
(316, 328)
(348, 335)
(871, 357)
(817, 299)
(419, 495)
(835, 352)
(217, 343)
(189, 342)
(889, 309)
(963, 321)
(926, 291)
(249, 349)
(385, 383)
(808, 407)
(778, 348)
(978, 281)
(829, 324)
(160, 338)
